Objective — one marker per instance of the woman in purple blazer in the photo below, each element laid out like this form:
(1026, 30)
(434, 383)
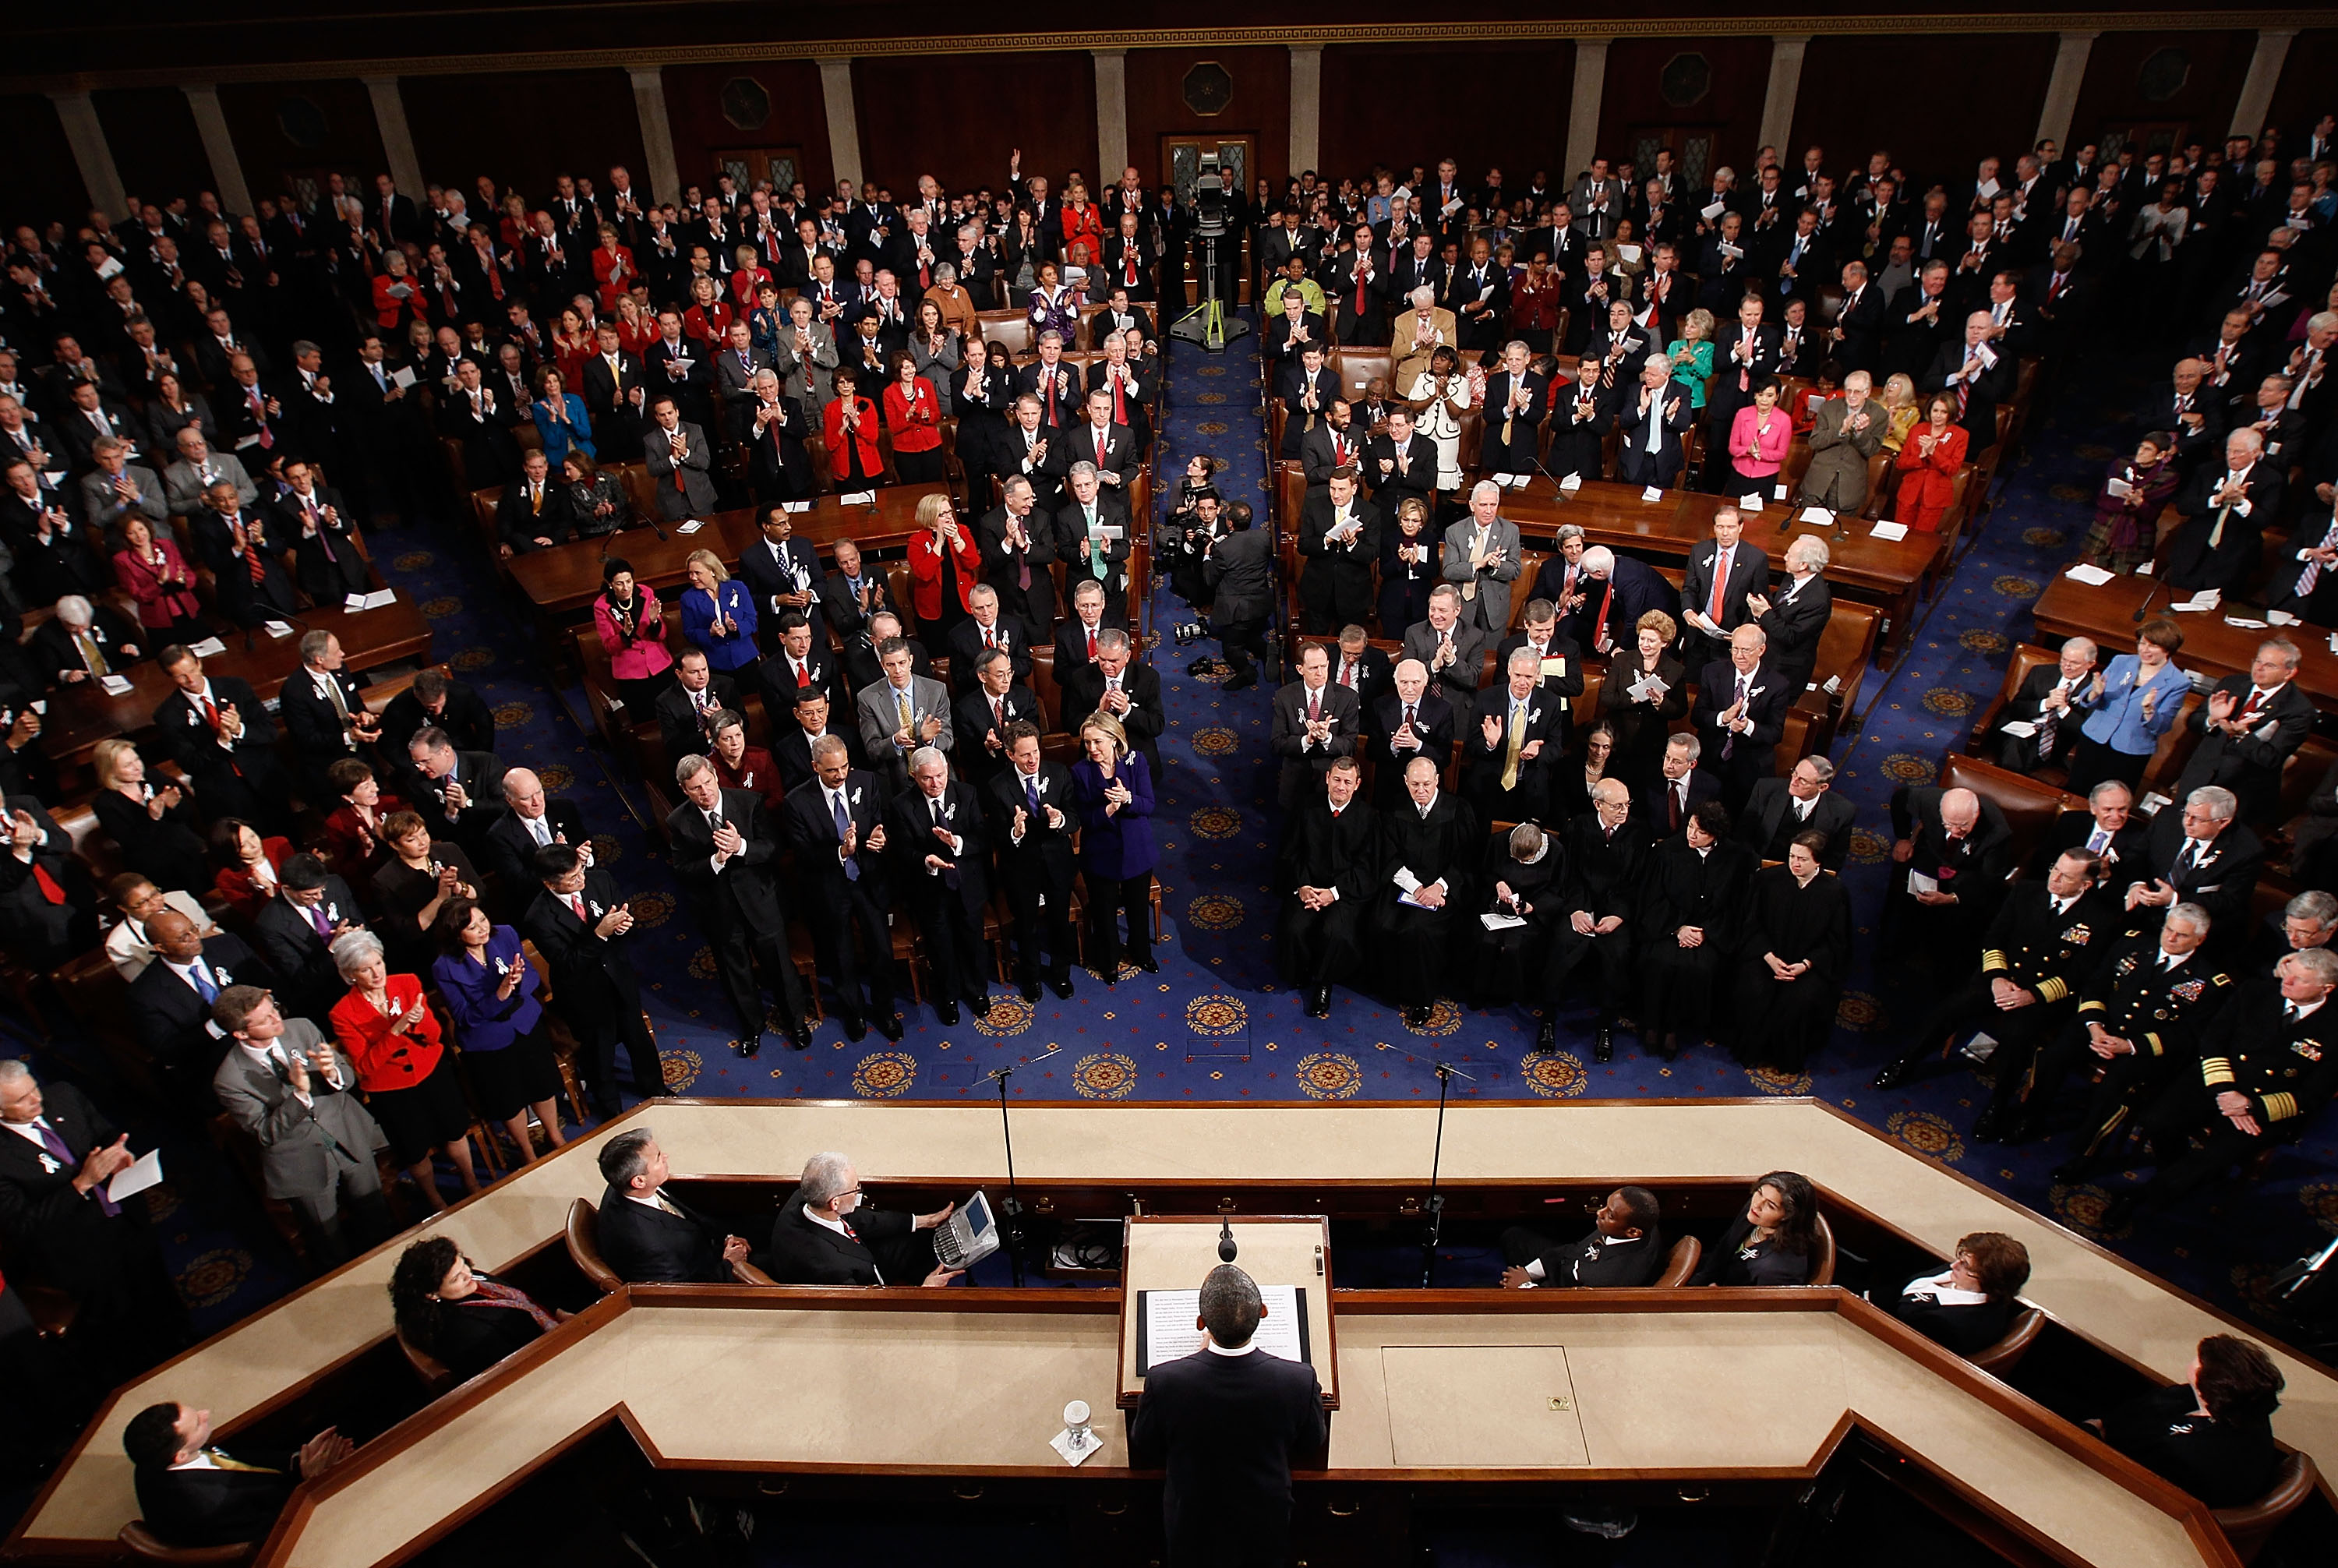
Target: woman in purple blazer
(1117, 849)
(490, 990)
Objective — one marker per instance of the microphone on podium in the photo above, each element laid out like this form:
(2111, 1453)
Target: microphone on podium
(1225, 1241)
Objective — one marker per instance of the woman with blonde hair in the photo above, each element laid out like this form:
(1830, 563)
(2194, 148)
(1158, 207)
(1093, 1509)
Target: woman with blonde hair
(1113, 791)
(945, 568)
(155, 828)
(1641, 723)
(1900, 403)
(718, 615)
(1691, 356)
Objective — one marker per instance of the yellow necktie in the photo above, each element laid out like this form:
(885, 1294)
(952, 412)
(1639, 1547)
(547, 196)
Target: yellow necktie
(908, 718)
(90, 654)
(1518, 743)
(221, 1462)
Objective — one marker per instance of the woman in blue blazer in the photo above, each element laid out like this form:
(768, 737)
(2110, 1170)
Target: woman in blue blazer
(560, 418)
(2128, 706)
(490, 990)
(718, 614)
(1117, 854)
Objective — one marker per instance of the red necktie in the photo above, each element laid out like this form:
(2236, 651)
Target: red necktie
(260, 417)
(47, 884)
(1091, 643)
(998, 713)
(2250, 707)
(803, 676)
(577, 903)
(1360, 276)
(1599, 628)
(1119, 409)
(1720, 586)
(1315, 707)
(250, 554)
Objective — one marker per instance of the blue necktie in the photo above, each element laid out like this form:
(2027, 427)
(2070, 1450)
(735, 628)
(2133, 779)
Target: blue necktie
(843, 827)
(1031, 789)
(203, 986)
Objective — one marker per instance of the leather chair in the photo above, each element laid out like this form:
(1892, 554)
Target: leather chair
(1821, 1253)
(1685, 1254)
(2025, 657)
(436, 1375)
(147, 1547)
(2001, 1357)
(584, 1246)
(2030, 806)
(2248, 1527)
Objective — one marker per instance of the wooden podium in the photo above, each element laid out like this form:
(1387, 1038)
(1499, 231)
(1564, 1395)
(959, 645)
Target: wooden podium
(1177, 1251)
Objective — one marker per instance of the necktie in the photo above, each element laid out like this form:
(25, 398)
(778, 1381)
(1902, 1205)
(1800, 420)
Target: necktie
(540, 829)
(1730, 744)
(2255, 697)
(2187, 860)
(250, 550)
(1720, 596)
(998, 713)
(316, 918)
(1517, 744)
(1091, 643)
(90, 655)
(201, 979)
(844, 830)
(1676, 802)
(2097, 840)
(1315, 707)
(64, 1155)
(901, 703)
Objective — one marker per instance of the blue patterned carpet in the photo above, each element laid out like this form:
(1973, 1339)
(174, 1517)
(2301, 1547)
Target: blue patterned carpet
(1215, 1024)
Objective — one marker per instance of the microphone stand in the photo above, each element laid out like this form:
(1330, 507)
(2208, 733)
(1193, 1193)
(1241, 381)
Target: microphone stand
(1012, 1213)
(1446, 1074)
(2144, 608)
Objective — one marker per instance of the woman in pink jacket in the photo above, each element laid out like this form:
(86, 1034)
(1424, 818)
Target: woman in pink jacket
(1758, 438)
(633, 630)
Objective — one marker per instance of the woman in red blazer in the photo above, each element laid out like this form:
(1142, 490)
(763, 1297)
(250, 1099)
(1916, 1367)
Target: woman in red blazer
(850, 424)
(942, 552)
(154, 572)
(397, 294)
(352, 842)
(612, 268)
(409, 1080)
(248, 865)
(914, 415)
(1928, 464)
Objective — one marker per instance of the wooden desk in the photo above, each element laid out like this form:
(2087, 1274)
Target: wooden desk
(1177, 1251)
(1449, 1389)
(1888, 572)
(79, 717)
(561, 584)
(2106, 612)
(1285, 1156)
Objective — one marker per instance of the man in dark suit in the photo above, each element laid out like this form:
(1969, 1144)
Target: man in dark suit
(1794, 615)
(1335, 443)
(1451, 648)
(1314, 722)
(1031, 823)
(55, 1158)
(174, 996)
(649, 1237)
(1605, 852)
(2108, 829)
(438, 701)
(1664, 803)
(48, 909)
(458, 794)
(83, 641)
(2225, 512)
(835, 826)
(685, 709)
(2204, 855)
(1977, 374)
(1858, 329)
(532, 821)
(2248, 729)
(1723, 572)
(1327, 871)
(1129, 692)
(799, 662)
(1513, 736)
(482, 422)
(981, 631)
(1090, 553)
(1227, 1423)
(801, 725)
(296, 929)
(194, 1494)
(579, 923)
(1340, 535)
(1018, 547)
(2191, 410)
(1653, 419)
(2043, 702)
(1740, 713)
(1802, 802)
(1409, 721)
(239, 544)
(614, 393)
(995, 702)
(1623, 1250)
(221, 736)
(724, 854)
(1399, 464)
(535, 512)
(1239, 569)
(1360, 667)
(1612, 593)
(813, 1241)
(323, 709)
(936, 840)
(784, 574)
(1961, 846)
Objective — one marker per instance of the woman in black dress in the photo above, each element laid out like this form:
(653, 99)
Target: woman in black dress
(1969, 1305)
(421, 875)
(1772, 1242)
(1642, 723)
(465, 1319)
(2211, 1435)
(1581, 771)
(1694, 890)
(157, 829)
(1790, 961)
(1409, 568)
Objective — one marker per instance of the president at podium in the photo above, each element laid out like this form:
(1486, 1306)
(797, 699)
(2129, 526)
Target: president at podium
(1225, 1422)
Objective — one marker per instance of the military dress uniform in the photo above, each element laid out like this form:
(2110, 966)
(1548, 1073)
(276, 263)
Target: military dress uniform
(2043, 945)
(2283, 1060)
(2139, 997)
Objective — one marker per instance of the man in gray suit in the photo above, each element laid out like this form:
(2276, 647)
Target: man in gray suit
(197, 469)
(734, 376)
(806, 354)
(673, 449)
(1481, 554)
(1598, 199)
(116, 487)
(1846, 434)
(1451, 648)
(293, 1091)
(1238, 567)
(901, 713)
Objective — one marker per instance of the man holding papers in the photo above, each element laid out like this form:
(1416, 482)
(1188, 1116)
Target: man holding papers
(1226, 1423)
(1975, 372)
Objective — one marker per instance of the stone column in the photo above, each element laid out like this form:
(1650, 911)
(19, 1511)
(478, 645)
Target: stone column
(1778, 103)
(662, 174)
(1306, 106)
(218, 147)
(1583, 116)
(2062, 89)
(843, 119)
(2265, 75)
(1112, 115)
(92, 155)
(396, 139)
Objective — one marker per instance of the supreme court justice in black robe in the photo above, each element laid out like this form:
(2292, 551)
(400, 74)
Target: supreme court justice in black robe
(1524, 885)
(1596, 902)
(1692, 896)
(1428, 841)
(1799, 916)
(1332, 848)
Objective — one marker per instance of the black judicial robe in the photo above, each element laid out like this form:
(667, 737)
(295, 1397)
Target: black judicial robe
(1441, 847)
(1781, 1023)
(1685, 888)
(1323, 850)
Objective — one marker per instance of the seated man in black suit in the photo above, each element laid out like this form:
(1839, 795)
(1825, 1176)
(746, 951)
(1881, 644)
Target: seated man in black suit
(1623, 1250)
(648, 1238)
(192, 1494)
(437, 699)
(1227, 1423)
(1960, 843)
(1680, 786)
(1969, 1305)
(82, 643)
(2043, 702)
(1802, 802)
(2204, 855)
(812, 1242)
(2108, 829)
(2248, 729)
(534, 513)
